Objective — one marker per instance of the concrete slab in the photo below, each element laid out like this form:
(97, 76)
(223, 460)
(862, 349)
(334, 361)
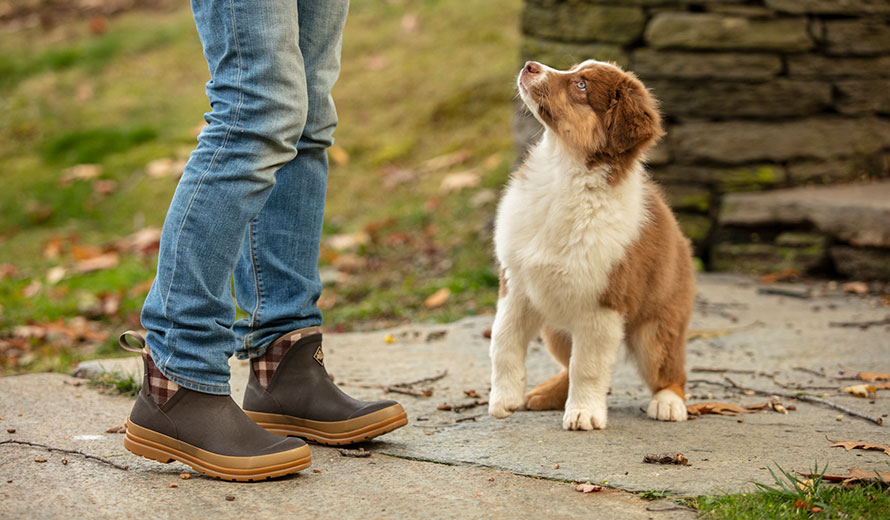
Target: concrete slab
(742, 330)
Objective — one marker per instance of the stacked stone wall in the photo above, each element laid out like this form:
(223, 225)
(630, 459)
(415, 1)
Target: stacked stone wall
(756, 94)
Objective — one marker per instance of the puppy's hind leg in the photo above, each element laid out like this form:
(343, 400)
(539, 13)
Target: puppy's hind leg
(552, 394)
(514, 326)
(659, 350)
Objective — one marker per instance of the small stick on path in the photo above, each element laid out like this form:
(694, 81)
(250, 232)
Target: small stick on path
(63, 450)
(803, 397)
(859, 324)
(799, 396)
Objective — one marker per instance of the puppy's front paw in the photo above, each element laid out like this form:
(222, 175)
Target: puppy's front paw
(500, 405)
(590, 418)
(667, 406)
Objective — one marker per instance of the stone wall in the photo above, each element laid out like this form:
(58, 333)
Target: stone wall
(756, 94)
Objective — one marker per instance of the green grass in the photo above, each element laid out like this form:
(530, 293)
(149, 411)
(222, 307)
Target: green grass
(136, 93)
(124, 384)
(793, 497)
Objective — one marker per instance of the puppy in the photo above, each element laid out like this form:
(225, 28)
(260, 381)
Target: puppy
(590, 254)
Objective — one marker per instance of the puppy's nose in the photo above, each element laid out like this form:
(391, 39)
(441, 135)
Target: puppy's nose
(532, 67)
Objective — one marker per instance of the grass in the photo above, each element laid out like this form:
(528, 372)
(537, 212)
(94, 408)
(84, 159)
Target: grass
(420, 79)
(793, 497)
(124, 384)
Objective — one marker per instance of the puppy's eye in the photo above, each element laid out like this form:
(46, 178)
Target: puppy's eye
(581, 85)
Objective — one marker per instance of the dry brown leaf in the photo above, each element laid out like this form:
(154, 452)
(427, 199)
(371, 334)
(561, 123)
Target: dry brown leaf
(106, 261)
(706, 334)
(338, 155)
(443, 162)
(85, 252)
(146, 240)
(856, 475)
(853, 445)
(666, 458)
(53, 248)
(81, 172)
(874, 376)
(460, 181)
(438, 298)
(785, 274)
(864, 391)
(715, 408)
(855, 287)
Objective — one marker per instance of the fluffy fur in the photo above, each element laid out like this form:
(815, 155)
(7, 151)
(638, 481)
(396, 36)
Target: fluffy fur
(590, 254)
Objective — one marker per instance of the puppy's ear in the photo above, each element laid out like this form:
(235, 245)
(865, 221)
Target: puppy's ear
(632, 120)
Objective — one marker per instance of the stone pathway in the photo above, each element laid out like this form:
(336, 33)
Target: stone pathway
(448, 464)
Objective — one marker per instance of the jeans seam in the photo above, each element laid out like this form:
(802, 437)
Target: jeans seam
(258, 282)
(210, 164)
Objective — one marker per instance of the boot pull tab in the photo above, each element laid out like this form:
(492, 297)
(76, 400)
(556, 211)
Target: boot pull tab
(125, 344)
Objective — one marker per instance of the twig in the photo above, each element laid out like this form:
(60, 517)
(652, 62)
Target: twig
(355, 453)
(407, 391)
(717, 369)
(424, 380)
(803, 295)
(859, 324)
(804, 397)
(63, 450)
(839, 376)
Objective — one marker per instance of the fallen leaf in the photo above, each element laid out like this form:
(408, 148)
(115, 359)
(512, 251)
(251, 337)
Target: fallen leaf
(104, 187)
(588, 488)
(105, 261)
(55, 275)
(409, 23)
(86, 252)
(141, 288)
(864, 391)
(116, 429)
(471, 393)
(460, 181)
(389, 338)
(165, 167)
(31, 290)
(785, 274)
(855, 476)
(145, 241)
(853, 445)
(437, 299)
(874, 376)
(855, 287)
(53, 248)
(174, 485)
(347, 241)
(666, 458)
(338, 155)
(706, 334)
(230, 498)
(39, 459)
(445, 407)
(715, 408)
(7, 270)
(185, 476)
(80, 172)
(443, 162)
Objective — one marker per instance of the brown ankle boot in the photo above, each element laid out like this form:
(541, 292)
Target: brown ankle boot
(289, 392)
(208, 432)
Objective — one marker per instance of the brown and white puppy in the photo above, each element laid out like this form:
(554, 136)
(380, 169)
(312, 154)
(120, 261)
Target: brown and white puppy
(590, 254)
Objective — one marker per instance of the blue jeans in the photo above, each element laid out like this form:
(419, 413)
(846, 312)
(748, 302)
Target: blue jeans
(251, 199)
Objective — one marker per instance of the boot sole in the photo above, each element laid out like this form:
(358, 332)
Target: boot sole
(156, 446)
(334, 433)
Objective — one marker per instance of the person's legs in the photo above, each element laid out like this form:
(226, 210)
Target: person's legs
(276, 279)
(258, 100)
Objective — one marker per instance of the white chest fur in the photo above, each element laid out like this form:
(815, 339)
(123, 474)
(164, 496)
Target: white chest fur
(561, 230)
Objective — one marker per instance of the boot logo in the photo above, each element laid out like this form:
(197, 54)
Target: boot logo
(319, 356)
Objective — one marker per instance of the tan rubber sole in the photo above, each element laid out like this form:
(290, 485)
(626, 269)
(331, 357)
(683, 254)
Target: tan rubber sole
(333, 433)
(155, 446)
